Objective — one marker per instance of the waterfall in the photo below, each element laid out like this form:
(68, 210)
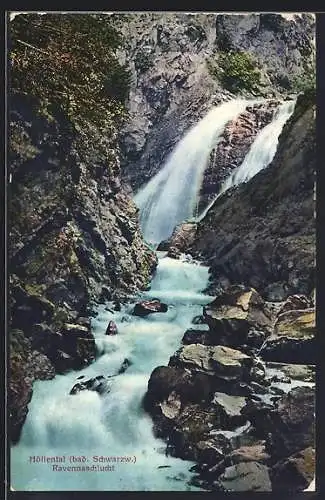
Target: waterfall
(170, 197)
(261, 152)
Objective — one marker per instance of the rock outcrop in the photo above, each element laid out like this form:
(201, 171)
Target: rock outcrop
(74, 236)
(249, 236)
(244, 423)
(172, 87)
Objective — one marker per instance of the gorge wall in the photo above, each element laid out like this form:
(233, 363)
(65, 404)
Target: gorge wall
(262, 233)
(74, 236)
(172, 87)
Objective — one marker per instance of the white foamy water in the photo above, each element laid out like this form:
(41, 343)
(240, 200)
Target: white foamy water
(86, 424)
(260, 154)
(170, 197)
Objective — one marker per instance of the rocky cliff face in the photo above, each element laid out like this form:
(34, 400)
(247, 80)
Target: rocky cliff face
(74, 236)
(263, 232)
(172, 87)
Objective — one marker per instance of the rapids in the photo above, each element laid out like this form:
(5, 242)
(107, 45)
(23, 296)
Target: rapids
(90, 425)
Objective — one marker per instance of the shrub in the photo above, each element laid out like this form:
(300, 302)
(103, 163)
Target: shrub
(305, 82)
(236, 71)
(69, 60)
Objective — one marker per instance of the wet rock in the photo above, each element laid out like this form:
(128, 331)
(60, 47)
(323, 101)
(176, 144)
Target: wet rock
(288, 426)
(198, 320)
(98, 384)
(246, 476)
(294, 473)
(280, 379)
(63, 362)
(254, 453)
(146, 307)
(125, 365)
(181, 237)
(257, 372)
(209, 452)
(111, 328)
(258, 389)
(192, 336)
(292, 423)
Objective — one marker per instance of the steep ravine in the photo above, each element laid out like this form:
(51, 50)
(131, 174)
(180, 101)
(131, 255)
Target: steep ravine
(95, 309)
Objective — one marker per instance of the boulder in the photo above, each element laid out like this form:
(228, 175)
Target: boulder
(63, 362)
(111, 328)
(146, 307)
(253, 453)
(246, 476)
(198, 320)
(99, 384)
(288, 426)
(296, 302)
(75, 330)
(236, 312)
(289, 350)
(192, 336)
(305, 373)
(219, 361)
(294, 338)
(294, 473)
(124, 366)
(229, 409)
(296, 324)
(292, 424)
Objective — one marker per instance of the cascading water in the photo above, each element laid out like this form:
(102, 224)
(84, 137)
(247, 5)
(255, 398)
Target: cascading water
(113, 425)
(170, 197)
(88, 429)
(260, 154)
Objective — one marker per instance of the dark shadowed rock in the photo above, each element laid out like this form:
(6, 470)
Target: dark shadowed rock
(290, 350)
(294, 473)
(111, 328)
(296, 302)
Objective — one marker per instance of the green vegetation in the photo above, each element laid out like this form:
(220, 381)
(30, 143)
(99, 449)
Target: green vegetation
(69, 60)
(305, 82)
(236, 70)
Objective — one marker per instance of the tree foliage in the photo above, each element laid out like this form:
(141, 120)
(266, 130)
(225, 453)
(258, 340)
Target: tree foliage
(236, 70)
(69, 60)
